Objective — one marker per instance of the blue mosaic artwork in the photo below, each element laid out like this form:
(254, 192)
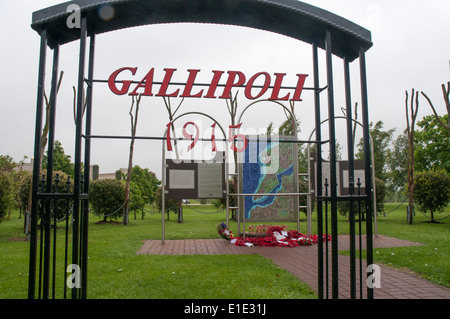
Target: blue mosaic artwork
(268, 168)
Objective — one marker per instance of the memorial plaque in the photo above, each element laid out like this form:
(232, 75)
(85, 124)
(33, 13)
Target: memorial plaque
(210, 180)
(182, 178)
(196, 180)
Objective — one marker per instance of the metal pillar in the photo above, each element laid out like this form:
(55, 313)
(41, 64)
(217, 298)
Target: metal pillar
(318, 170)
(50, 151)
(37, 164)
(351, 173)
(366, 136)
(87, 164)
(333, 182)
(76, 258)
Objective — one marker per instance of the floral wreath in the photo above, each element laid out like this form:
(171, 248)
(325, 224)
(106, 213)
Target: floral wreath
(277, 236)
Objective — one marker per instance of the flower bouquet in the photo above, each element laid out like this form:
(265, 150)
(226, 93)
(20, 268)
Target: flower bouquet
(275, 236)
(262, 230)
(223, 231)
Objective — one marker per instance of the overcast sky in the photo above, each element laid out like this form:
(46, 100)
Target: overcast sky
(411, 50)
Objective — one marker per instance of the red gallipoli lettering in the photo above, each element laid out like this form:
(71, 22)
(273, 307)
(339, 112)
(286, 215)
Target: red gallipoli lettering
(234, 79)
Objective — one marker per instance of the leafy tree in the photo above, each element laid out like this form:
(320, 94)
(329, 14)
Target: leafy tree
(381, 141)
(344, 206)
(446, 95)
(6, 164)
(432, 191)
(146, 181)
(61, 161)
(269, 130)
(432, 144)
(171, 205)
(6, 194)
(23, 193)
(397, 166)
(134, 121)
(286, 128)
(137, 199)
(60, 206)
(119, 175)
(106, 197)
(10, 181)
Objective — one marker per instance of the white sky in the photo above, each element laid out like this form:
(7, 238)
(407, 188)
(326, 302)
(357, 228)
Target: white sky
(411, 50)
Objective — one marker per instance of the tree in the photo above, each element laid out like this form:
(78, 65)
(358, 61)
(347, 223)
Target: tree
(411, 116)
(287, 128)
(59, 207)
(143, 187)
(171, 114)
(344, 206)
(381, 141)
(146, 181)
(432, 144)
(170, 204)
(106, 198)
(134, 121)
(397, 166)
(232, 107)
(61, 161)
(446, 93)
(6, 194)
(137, 202)
(45, 129)
(9, 184)
(269, 130)
(432, 191)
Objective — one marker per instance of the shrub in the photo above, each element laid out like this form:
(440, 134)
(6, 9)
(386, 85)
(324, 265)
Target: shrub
(432, 191)
(60, 207)
(170, 204)
(344, 206)
(107, 198)
(137, 200)
(6, 194)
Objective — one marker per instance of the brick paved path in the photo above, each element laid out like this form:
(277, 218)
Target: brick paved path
(302, 262)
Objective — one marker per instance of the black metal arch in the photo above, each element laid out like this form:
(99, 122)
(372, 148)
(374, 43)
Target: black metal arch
(322, 29)
(288, 17)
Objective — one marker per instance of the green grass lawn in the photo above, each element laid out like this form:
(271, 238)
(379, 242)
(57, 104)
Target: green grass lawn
(432, 261)
(115, 271)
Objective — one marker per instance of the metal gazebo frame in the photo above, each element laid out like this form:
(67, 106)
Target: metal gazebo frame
(322, 29)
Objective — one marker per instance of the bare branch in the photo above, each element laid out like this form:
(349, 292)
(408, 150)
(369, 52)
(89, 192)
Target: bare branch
(434, 111)
(354, 124)
(74, 104)
(446, 93)
(167, 103)
(410, 155)
(61, 74)
(179, 105)
(407, 113)
(131, 114)
(417, 108)
(232, 106)
(228, 106)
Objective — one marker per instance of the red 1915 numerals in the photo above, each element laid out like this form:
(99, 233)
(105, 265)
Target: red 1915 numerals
(231, 139)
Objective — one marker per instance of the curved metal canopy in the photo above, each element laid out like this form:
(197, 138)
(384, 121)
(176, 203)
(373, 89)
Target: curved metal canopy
(287, 17)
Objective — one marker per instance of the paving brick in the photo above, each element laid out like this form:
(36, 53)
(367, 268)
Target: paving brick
(302, 263)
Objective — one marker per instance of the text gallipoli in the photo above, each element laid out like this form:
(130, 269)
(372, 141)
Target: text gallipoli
(254, 86)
